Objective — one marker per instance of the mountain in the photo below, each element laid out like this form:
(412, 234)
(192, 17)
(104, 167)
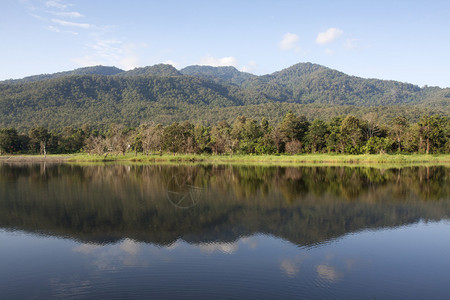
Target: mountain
(96, 70)
(101, 95)
(227, 75)
(311, 83)
(156, 70)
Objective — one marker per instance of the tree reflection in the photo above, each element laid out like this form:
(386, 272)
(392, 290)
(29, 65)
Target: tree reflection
(161, 203)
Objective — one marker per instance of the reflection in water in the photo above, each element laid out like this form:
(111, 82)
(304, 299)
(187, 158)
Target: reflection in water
(291, 266)
(182, 192)
(328, 273)
(204, 204)
(210, 232)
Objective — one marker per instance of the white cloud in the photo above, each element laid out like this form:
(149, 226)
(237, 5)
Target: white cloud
(110, 52)
(328, 36)
(38, 17)
(57, 30)
(57, 4)
(70, 14)
(218, 62)
(171, 62)
(129, 62)
(329, 51)
(87, 61)
(289, 41)
(71, 24)
(53, 28)
(251, 65)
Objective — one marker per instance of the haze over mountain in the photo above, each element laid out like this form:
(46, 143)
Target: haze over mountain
(102, 95)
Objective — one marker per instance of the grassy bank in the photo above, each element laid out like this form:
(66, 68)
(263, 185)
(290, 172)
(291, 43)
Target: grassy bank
(265, 159)
(271, 159)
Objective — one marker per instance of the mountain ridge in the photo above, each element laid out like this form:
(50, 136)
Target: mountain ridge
(161, 93)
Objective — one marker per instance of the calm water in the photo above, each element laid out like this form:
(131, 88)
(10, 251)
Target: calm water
(203, 232)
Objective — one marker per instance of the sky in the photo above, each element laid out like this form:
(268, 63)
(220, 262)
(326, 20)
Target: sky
(403, 40)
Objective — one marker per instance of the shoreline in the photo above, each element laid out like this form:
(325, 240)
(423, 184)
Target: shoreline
(301, 159)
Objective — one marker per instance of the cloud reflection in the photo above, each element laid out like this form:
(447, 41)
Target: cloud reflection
(228, 248)
(86, 248)
(130, 246)
(328, 273)
(290, 267)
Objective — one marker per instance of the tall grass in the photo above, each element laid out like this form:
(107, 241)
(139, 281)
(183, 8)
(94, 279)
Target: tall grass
(272, 159)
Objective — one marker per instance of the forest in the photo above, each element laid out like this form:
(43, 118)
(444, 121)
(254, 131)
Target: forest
(245, 135)
(100, 96)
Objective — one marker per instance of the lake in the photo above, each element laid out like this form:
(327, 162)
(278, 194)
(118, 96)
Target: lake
(224, 231)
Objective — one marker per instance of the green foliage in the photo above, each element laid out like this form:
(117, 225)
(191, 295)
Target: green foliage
(156, 70)
(9, 140)
(316, 136)
(293, 127)
(225, 75)
(100, 96)
(293, 135)
(431, 133)
(377, 145)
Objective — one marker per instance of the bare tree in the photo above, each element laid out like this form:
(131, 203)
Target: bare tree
(372, 125)
(152, 138)
(95, 145)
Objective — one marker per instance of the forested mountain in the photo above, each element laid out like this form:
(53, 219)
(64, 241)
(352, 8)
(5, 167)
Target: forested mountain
(227, 75)
(96, 70)
(99, 96)
(156, 70)
(311, 83)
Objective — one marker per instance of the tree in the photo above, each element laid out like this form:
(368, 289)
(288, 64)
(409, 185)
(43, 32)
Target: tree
(118, 139)
(277, 138)
(202, 138)
(431, 131)
(95, 144)
(398, 127)
(9, 140)
(317, 135)
(221, 139)
(334, 143)
(178, 137)
(293, 127)
(378, 145)
(40, 136)
(151, 138)
(71, 141)
(351, 133)
(248, 135)
(371, 125)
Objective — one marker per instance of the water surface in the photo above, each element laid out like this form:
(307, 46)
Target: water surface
(166, 231)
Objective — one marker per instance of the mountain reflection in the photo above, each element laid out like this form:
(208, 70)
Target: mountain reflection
(213, 206)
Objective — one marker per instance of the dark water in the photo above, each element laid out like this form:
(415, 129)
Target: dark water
(234, 232)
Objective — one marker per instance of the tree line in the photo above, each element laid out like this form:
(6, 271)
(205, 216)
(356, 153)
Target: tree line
(293, 135)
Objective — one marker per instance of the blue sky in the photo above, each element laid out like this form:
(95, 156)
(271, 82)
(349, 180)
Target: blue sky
(407, 41)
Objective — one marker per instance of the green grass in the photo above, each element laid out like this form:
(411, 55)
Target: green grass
(303, 159)
(271, 159)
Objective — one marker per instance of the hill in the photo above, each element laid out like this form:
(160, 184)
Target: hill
(311, 83)
(156, 70)
(96, 70)
(101, 95)
(226, 75)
